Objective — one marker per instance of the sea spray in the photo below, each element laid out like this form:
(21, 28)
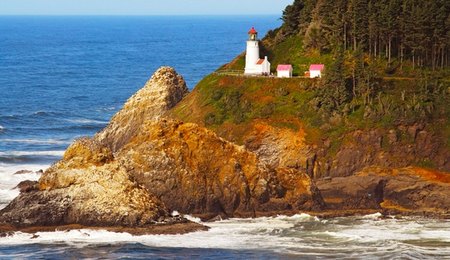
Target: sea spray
(9, 179)
(341, 237)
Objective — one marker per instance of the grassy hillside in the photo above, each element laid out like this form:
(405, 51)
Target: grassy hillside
(389, 110)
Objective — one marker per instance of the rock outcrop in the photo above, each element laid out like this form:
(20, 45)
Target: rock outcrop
(142, 166)
(394, 148)
(162, 92)
(93, 196)
(399, 191)
(194, 171)
(89, 186)
(280, 147)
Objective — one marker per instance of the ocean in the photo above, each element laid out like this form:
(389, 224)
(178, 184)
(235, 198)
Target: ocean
(64, 77)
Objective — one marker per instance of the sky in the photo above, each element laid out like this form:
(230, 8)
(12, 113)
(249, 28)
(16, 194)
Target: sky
(142, 7)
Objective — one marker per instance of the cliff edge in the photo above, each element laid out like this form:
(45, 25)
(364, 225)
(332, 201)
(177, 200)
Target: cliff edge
(143, 166)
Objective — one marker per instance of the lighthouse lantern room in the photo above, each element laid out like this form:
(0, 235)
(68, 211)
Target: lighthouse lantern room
(254, 65)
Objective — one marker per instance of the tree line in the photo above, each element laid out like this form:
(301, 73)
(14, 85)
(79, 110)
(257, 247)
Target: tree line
(416, 31)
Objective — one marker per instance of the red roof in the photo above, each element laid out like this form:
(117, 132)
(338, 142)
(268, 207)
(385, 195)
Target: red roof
(317, 67)
(252, 31)
(260, 61)
(284, 67)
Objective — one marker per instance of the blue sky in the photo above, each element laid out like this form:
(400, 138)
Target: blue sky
(141, 7)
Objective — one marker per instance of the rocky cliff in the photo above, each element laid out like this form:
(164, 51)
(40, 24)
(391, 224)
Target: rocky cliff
(162, 92)
(403, 191)
(142, 166)
(146, 163)
(89, 186)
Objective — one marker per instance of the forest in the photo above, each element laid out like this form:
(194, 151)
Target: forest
(415, 31)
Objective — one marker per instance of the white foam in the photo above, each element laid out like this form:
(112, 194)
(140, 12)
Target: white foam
(35, 141)
(1, 128)
(31, 153)
(278, 234)
(193, 219)
(9, 180)
(86, 121)
(373, 216)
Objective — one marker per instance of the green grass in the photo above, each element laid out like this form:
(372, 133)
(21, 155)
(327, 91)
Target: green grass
(291, 51)
(229, 105)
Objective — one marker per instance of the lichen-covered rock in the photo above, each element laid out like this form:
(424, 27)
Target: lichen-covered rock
(88, 186)
(162, 92)
(85, 152)
(192, 170)
(142, 166)
(279, 147)
(93, 196)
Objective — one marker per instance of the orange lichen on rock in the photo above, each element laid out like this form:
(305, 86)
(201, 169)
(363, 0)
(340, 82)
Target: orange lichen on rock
(430, 175)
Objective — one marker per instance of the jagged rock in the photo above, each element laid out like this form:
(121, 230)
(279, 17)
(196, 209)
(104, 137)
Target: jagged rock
(23, 172)
(194, 171)
(27, 186)
(162, 92)
(399, 191)
(280, 147)
(365, 148)
(95, 196)
(141, 166)
(88, 186)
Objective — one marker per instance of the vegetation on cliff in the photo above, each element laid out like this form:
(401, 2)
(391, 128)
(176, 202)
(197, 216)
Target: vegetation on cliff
(383, 100)
(401, 31)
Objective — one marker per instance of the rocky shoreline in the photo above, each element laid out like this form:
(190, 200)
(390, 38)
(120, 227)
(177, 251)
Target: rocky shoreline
(156, 229)
(144, 164)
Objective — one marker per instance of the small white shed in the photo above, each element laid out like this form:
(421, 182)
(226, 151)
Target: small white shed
(284, 71)
(316, 70)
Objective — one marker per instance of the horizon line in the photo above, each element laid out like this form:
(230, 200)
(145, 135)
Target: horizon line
(140, 14)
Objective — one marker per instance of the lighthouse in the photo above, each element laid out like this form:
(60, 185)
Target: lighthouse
(254, 65)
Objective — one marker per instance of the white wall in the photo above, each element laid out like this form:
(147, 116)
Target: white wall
(251, 57)
(284, 74)
(315, 74)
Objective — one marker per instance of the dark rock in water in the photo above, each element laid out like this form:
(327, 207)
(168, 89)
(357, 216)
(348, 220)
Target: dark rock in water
(6, 233)
(23, 172)
(40, 171)
(36, 208)
(27, 186)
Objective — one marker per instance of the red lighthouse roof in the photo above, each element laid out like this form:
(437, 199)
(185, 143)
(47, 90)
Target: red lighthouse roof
(252, 31)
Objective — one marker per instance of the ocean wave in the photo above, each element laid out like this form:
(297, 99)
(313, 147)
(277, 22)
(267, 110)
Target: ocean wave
(36, 141)
(325, 239)
(62, 128)
(32, 153)
(87, 121)
(2, 128)
(36, 114)
(21, 157)
(374, 216)
(9, 180)
(106, 109)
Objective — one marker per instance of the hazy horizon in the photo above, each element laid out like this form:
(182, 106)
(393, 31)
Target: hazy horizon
(140, 7)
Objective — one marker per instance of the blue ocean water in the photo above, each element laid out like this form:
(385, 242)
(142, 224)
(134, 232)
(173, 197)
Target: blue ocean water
(64, 77)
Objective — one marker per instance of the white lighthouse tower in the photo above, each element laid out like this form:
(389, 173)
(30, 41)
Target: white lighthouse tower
(253, 64)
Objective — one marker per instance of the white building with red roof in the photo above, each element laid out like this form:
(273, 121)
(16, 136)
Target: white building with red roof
(254, 65)
(316, 70)
(284, 71)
